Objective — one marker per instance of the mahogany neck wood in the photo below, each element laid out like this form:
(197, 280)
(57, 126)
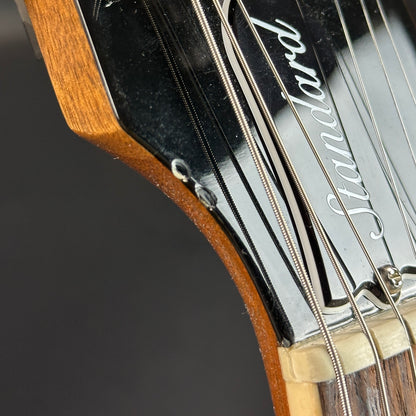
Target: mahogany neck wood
(86, 107)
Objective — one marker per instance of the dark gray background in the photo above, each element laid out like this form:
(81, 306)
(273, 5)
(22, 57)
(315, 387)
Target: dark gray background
(111, 302)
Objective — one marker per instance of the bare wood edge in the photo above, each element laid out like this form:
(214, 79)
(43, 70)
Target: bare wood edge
(88, 112)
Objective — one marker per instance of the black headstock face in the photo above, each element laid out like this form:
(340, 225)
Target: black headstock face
(169, 96)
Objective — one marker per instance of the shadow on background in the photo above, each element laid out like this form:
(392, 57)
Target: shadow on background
(111, 302)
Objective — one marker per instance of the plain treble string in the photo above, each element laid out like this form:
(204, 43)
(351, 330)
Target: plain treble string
(396, 50)
(312, 213)
(96, 9)
(341, 203)
(297, 259)
(318, 158)
(396, 104)
(327, 176)
(369, 108)
(373, 35)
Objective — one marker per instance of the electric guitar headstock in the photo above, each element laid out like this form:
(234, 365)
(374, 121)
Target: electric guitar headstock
(286, 130)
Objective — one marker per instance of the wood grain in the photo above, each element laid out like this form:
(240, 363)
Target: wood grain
(85, 105)
(364, 393)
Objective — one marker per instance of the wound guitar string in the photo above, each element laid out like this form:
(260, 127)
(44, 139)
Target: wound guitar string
(157, 11)
(315, 220)
(348, 217)
(297, 259)
(203, 139)
(318, 158)
(366, 100)
(264, 173)
(381, 382)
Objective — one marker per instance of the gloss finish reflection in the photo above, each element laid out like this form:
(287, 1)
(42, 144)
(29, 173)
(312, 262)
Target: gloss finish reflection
(168, 96)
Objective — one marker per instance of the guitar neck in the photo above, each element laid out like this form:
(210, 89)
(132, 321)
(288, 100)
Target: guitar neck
(365, 400)
(195, 113)
(309, 374)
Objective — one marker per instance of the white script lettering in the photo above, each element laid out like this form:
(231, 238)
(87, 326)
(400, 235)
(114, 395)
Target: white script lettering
(311, 86)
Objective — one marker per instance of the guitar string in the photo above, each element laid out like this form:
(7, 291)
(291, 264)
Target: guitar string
(400, 60)
(349, 81)
(380, 280)
(318, 158)
(303, 276)
(303, 127)
(373, 35)
(342, 205)
(396, 50)
(305, 199)
(216, 1)
(184, 91)
(367, 103)
(385, 164)
(362, 85)
(378, 133)
(96, 8)
(337, 58)
(297, 259)
(205, 143)
(346, 73)
(375, 270)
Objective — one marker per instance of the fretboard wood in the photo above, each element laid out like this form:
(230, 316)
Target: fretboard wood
(364, 393)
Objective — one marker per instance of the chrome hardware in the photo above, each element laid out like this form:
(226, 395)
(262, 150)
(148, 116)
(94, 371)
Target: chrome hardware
(393, 278)
(181, 170)
(189, 123)
(207, 197)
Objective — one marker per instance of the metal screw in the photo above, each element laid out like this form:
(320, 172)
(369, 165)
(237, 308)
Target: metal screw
(392, 277)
